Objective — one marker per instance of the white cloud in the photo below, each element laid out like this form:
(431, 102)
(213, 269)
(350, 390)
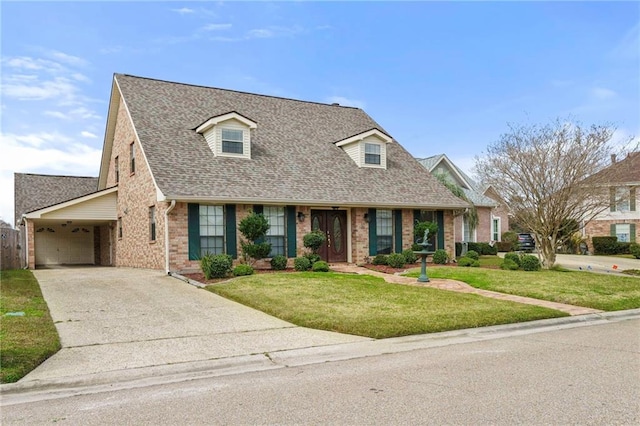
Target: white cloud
(346, 101)
(216, 27)
(80, 113)
(274, 31)
(41, 152)
(602, 93)
(260, 33)
(110, 50)
(18, 88)
(183, 11)
(66, 58)
(627, 47)
(86, 134)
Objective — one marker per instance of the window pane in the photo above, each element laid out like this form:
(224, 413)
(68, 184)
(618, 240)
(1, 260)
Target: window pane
(211, 223)
(232, 135)
(232, 147)
(623, 232)
(384, 231)
(276, 231)
(277, 245)
(370, 148)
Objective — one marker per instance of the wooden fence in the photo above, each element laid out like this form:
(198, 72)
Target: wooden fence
(10, 249)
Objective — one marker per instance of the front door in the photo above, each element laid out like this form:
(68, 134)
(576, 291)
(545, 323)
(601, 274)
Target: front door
(334, 225)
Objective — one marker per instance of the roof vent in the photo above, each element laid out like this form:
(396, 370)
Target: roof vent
(335, 104)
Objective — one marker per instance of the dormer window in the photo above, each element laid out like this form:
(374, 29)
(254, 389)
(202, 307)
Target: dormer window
(228, 135)
(372, 153)
(368, 149)
(232, 141)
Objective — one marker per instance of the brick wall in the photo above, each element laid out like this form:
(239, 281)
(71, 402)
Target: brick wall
(602, 228)
(449, 243)
(136, 193)
(31, 253)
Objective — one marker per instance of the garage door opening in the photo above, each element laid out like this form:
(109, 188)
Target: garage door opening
(64, 244)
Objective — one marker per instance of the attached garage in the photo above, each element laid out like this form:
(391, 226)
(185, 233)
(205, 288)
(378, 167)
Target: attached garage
(64, 244)
(76, 232)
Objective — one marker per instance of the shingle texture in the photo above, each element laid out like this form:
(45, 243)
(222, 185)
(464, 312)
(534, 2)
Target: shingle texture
(34, 192)
(475, 193)
(294, 157)
(623, 171)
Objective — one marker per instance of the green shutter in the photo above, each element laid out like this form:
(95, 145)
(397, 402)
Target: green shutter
(632, 231)
(612, 230)
(397, 214)
(612, 199)
(291, 231)
(632, 199)
(193, 226)
(231, 232)
(373, 233)
(440, 222)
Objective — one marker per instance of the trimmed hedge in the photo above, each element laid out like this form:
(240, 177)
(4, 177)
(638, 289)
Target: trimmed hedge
(481, 248)
(301, 264)
(320, 266)
(278, 262)
(530, 262)
(242, 269)
(504, 246)
(380, 259)
(605, 245)
(216, 265)
(409, 256)
(440, 257)
(634, 249)
(396, 260)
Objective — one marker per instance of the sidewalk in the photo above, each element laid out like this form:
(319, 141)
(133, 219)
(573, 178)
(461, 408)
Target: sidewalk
(460, 287)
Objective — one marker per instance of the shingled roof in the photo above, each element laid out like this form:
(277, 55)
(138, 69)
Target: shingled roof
(294, 156)
(34, 192)
(474, 193)
(626, 171)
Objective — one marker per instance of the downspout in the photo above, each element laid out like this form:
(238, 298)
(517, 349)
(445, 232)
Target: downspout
(166, 236)
(23, 220)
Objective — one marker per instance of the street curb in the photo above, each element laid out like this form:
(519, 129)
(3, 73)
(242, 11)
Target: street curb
(21, 392)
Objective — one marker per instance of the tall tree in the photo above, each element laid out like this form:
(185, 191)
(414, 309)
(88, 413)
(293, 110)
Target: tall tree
(541, 171)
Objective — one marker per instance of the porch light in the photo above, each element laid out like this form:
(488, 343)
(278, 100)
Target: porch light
(301, 216)
(366, 217)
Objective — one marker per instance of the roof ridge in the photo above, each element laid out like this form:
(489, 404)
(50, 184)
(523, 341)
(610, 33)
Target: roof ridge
(41, 174)
(238, 91)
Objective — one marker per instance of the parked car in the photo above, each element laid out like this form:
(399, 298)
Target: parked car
(526, 242)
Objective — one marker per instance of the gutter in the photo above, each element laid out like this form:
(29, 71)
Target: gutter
(166, 236)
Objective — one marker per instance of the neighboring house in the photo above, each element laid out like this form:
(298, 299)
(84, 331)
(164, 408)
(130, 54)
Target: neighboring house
(182, 165)
(493, 213)
(622, 218)
(33, 192)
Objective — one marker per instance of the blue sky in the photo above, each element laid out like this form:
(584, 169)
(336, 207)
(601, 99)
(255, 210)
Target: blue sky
(440, 77)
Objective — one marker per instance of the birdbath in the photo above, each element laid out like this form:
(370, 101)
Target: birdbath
(423, 278)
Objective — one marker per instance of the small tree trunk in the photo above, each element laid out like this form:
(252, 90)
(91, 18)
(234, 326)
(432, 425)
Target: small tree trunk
(548, 253)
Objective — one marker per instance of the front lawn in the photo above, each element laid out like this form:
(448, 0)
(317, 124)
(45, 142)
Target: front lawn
(27, 339)
(591, 290)
(368, 306)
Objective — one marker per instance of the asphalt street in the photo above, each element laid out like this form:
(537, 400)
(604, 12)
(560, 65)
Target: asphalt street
(586, 375)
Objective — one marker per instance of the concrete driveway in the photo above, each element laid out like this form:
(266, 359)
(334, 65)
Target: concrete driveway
(601, 264)
(116, 319)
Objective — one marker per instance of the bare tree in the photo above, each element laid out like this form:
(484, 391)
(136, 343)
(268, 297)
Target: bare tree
(541, 172)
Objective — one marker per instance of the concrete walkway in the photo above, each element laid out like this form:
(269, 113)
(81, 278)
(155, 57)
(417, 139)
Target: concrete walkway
(460, 287)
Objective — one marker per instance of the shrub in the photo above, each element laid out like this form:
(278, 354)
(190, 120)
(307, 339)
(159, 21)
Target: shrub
(623, 248)
(465, 261)
(380, 259)
(420, 227)
(530, 262)
(510, 265)
(216, 265)
(514, 257)
(440, 257)
(409, 256)
(313, 257)
(243, 269)
(320, 266)
(473, 255)
(313, 240)
(396, 260)
(255, 250)
(416, 247)
(483, 248)
(476, 264)
(634, 249)
(301, 264)
(279, 262)
(512, 238)
(504, 246)
(253, 228)
(605, 245)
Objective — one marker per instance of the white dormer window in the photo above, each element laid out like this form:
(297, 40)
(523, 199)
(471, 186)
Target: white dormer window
(228, 135)
(368, 149)
(372, 153)
(232, 141)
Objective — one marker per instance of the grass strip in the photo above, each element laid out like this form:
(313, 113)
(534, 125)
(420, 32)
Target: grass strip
(26, 340)
(607, 292)
(369, 306)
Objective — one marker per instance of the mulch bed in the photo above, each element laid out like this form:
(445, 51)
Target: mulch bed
(199, 276)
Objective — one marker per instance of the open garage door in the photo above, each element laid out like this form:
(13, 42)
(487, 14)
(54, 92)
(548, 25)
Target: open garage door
(64, 245)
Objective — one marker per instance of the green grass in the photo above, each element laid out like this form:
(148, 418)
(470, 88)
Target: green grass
(598, 291)
(369, 306)
(26, 340)
(488, 261)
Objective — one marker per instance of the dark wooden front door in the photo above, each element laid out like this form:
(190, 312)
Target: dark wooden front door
(334, 225)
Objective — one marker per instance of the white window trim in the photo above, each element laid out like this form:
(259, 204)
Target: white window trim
(212, 132)
(499, 219)
(355, 147)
